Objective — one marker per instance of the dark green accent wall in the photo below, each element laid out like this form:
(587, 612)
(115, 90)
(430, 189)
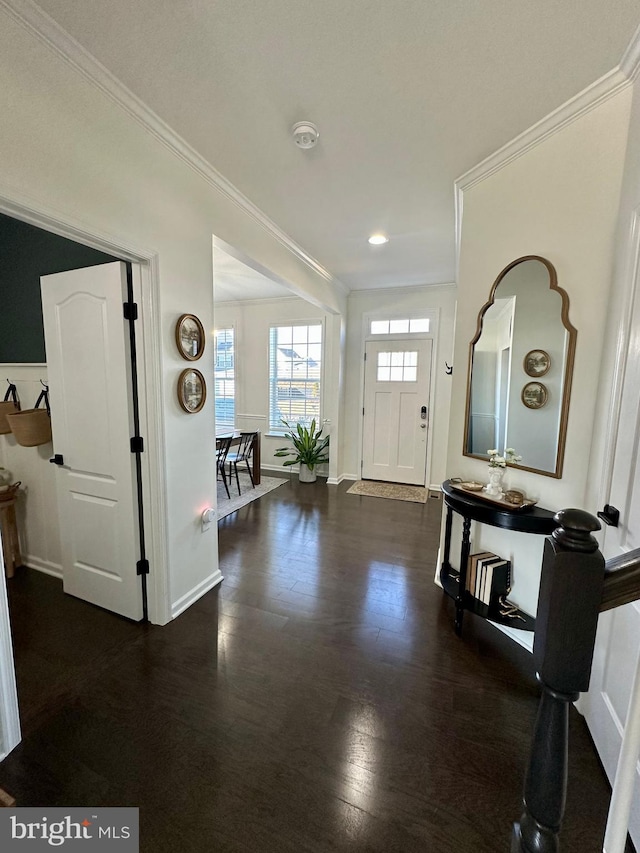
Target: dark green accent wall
(26, 253)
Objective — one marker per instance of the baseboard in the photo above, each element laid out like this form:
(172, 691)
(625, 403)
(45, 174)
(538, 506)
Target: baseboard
(194, 594)
(277, 469)
(44, 566)
(335, 481)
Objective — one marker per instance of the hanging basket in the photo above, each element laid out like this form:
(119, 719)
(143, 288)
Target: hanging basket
(32, 427)
(9, 493)
(9, 406)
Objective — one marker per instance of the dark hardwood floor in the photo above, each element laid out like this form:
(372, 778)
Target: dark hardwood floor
(318, 700)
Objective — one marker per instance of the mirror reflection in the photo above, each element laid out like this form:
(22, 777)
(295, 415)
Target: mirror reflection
(520, 366)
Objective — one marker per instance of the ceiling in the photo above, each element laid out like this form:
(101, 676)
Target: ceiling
(408, 95)
(233, 280)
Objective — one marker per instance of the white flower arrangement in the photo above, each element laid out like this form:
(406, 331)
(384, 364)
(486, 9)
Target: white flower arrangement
(509, 458)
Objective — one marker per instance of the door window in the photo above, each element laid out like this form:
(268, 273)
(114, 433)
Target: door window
(397, 366)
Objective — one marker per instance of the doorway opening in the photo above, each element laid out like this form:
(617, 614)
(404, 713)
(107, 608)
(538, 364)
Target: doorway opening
(28, 253)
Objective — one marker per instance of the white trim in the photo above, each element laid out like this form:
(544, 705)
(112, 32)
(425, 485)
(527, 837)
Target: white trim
(630, 62)
(601, 90)
(27, 208)
(335, 481)
(37, 365)
(608, 86)
(10, 735)
(630, 275)
(397, 291)
(154, 475)
(44, 566)
(194, 594)
(36, 21)
(240, 303)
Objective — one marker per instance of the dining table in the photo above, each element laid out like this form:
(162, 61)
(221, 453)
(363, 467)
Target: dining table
(255, 450)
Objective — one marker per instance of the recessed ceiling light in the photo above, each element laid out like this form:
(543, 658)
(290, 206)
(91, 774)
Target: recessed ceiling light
(378, 239)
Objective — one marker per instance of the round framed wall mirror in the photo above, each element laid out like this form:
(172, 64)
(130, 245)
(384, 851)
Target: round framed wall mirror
(523, 333)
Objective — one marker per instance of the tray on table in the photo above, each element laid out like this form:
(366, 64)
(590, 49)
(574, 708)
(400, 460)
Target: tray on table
(500, 502)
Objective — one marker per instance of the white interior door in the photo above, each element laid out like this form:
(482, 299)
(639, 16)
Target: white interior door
(89, 371)
(396, 410)
(615, 661)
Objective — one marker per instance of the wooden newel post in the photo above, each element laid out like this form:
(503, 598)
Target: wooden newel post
(566, 623)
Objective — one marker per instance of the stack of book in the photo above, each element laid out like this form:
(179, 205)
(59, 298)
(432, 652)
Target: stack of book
(488, 577)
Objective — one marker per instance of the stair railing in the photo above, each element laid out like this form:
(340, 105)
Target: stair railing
(575, 586)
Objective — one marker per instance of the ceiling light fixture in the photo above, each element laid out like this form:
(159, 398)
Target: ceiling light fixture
(378, 239)
(305, 134)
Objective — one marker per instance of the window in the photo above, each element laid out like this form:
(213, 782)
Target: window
(224, 378)
(400, 327)
(397, 367)
(295, 362)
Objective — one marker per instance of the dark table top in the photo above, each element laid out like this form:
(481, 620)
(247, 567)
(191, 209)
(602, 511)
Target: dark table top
(533, 519)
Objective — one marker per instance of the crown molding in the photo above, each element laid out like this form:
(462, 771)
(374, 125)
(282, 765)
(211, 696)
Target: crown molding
(601, 90)
(235, 303)
(396, 291)
(630, 62)
(29, 15)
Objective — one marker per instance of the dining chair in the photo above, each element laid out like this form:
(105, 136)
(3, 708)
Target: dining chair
(243, 454)
(222, 451)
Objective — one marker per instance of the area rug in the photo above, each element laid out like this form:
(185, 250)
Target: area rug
(247, 494)
(394, 491)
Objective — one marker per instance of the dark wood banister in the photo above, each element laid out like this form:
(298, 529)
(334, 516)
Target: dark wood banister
(576, 585)
(621, 580)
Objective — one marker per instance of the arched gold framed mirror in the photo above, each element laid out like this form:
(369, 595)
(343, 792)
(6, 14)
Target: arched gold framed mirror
(523, 332)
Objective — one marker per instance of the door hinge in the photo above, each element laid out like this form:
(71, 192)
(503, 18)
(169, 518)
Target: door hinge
(363, 410)
(365, 356)
(142, 567)
(137, 444)
(130, 310)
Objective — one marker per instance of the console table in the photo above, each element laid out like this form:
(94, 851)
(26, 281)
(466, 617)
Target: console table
(530, 520)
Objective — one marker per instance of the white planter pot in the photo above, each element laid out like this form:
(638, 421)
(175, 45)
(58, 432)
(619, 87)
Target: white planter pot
(306, 475)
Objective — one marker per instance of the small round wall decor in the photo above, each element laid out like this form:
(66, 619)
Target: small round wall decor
(192, 390)
(190, 337)
(537, 362)
(534, 395)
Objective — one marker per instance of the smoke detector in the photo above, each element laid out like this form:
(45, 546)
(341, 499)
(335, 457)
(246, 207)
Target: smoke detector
(305, 134)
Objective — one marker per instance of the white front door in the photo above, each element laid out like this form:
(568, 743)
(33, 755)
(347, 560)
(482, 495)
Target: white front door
(618, 640)
(396, 410)
(89, 369)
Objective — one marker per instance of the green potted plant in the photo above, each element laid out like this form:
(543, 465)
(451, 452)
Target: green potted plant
(309, 449)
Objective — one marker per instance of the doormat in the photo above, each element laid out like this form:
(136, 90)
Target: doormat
(394, 491)
(247, 494)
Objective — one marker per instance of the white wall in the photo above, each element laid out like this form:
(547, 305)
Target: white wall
(68, 149)
(252, 320)
(559, 199)
(409, 302)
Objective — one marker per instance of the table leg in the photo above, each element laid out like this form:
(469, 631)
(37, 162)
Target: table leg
(10, 542)
(255, 448)
(462, 584)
